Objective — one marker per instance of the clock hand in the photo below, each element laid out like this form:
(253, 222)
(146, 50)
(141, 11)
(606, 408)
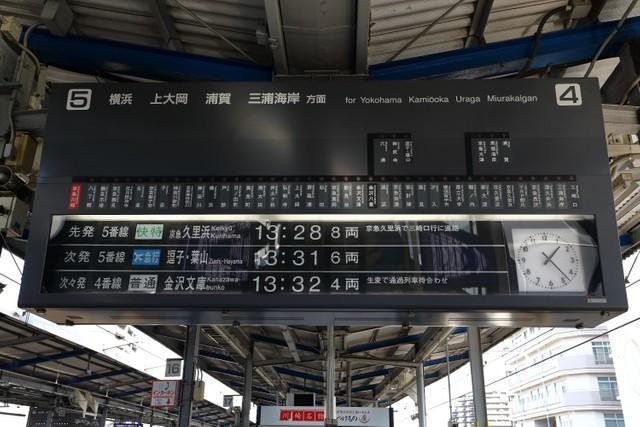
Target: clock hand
(555, 265)
(550, 256)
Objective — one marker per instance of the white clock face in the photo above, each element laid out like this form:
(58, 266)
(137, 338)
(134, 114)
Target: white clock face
(548, 260)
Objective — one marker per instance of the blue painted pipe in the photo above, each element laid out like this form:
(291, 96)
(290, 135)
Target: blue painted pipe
(99, 57)
(573, 46)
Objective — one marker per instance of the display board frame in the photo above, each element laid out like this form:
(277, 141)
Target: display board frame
(344, 139)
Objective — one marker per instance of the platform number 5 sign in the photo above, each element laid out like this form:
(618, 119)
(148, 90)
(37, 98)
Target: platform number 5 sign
(568, 94)
(78, 99)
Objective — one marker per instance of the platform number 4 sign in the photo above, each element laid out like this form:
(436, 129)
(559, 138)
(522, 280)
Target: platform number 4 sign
(568, 94)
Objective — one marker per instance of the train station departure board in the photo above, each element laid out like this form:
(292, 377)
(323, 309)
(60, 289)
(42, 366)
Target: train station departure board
(443, 203)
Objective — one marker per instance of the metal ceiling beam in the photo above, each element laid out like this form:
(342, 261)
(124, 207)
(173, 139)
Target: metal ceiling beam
(367, 387)
(123, 383)
(300, 374)
(277, 42)
(441, 360)
(217, 356)
(14, 364)
(275, 362)
(207, 414)
(76, 380)
(479, 23)
(231, 372)
(165, 24)
(28, 383)
(371, 374)
(23, 340)
(234, 343)
(409, 339)
(363, 14)
(255, 388)
(130, 392)
(283, 343)
(427, 344)
(375, 361)
(48, 387)
(99, 57)
(572, 46)
(288, 337)
(295, 386)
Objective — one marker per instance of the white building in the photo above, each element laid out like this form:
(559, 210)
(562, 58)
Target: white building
(625, 346)
(573, 389)
(497, 410)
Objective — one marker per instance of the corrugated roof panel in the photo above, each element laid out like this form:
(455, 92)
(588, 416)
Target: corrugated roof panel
(394, 23)
(26, 6)
(119, 6)
(144, 29)
(132, 21)
(243, 9)
(613, 10)
(436, 42)
(27, 11)
(510, 19)
(120, 36)
(205, 36)
(409, 33)
(496, 36)
(381, 9)
(236, 20)
(419, 19)
(218, 21)
(116, 17)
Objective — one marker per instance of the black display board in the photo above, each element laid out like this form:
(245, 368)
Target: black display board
(450, 202)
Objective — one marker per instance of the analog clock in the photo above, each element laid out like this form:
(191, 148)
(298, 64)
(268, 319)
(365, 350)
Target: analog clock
(549, 260)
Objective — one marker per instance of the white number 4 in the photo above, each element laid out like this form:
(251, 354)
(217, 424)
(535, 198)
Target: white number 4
(568, 94)
(78, 99)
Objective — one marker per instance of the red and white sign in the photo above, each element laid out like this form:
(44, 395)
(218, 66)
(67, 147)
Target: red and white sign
(164, 394)
(74, 196)
(314, 416)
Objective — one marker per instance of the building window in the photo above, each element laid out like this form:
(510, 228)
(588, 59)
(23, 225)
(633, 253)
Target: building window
(564, 421)
(602, 352)
(613, 419)
(608, 387)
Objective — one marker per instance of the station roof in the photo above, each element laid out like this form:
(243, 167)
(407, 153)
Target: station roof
(306, 36)
(39, 369)
(292, 358)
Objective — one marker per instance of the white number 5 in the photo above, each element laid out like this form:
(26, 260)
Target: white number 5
(78, 99)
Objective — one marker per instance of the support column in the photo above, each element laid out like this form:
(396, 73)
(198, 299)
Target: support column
(330, 418)
(477, 376)
(103, 416)
(349, 384)
(449, 381)
(48, 421)
(420, 396)
(191, 350)
(248, 384)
